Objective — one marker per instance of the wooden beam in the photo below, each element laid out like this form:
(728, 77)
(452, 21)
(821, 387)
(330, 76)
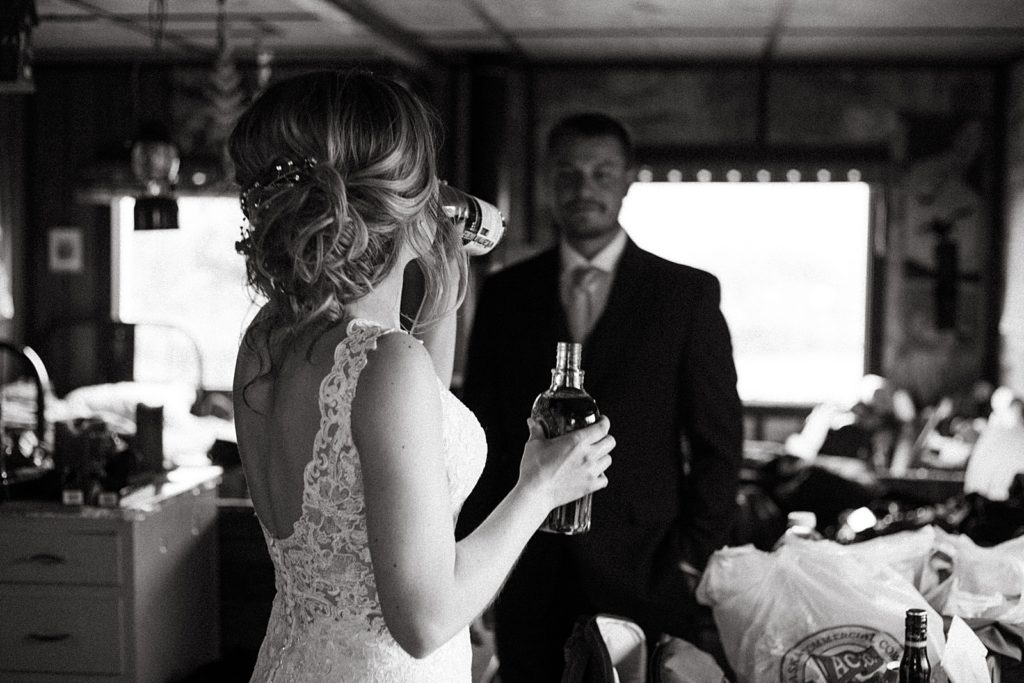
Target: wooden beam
(142, 28)
(396, 41)
(492, 23)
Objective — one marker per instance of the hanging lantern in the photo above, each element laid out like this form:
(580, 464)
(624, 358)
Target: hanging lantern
(155, 163)
(17, 18)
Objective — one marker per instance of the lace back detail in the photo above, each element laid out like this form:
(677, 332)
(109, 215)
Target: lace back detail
(326, 617)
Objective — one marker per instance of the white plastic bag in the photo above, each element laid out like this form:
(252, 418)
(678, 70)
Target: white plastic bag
(811, 611)
(955, 575)
(985, 583)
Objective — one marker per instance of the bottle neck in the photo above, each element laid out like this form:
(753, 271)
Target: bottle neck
(916, 640)
(561, 378)
(916, 633)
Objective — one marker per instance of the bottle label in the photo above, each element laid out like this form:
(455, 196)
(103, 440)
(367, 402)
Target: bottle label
(72, 497)
(841, 654)
(917, 643)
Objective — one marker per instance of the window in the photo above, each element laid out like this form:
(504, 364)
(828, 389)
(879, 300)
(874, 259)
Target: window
(792, 258)
(184, 289)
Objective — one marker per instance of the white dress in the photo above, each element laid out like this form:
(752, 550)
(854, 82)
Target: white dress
(326, 622)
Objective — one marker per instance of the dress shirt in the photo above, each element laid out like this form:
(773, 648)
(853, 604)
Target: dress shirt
(597, 288)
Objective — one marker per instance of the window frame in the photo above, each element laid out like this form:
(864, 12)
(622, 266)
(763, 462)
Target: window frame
(875, 169)
(118, 253)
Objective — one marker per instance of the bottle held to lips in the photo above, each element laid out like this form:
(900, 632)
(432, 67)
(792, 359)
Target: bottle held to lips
(481, 224)
(564, 407)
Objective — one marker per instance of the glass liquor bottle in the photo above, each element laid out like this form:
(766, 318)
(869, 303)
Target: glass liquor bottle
(914, 666)
(565, 407)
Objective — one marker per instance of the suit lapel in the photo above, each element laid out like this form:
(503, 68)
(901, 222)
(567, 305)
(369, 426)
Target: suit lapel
(548, 301)
(627, 300)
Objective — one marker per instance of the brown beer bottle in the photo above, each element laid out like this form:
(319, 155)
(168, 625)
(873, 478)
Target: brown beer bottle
(565, 407)
(914, 666)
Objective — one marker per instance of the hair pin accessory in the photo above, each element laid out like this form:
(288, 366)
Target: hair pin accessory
(282, 173)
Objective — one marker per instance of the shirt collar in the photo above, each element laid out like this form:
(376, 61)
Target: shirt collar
(606, 259)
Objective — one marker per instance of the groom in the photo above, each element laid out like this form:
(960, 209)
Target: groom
(658, 360)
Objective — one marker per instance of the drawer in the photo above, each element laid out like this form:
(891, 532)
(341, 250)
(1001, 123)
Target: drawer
(71, 558)
(61, 632)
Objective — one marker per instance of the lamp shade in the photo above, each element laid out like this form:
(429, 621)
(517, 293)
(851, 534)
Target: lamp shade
(156, 213)
(155, 164)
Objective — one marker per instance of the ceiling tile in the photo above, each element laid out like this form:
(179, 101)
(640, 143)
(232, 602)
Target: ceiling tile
(899, 47)
(58, 7)
(468, 42)
(433, 16)
(899, 14)
(589, 14)
(622, 49)
(287, 27)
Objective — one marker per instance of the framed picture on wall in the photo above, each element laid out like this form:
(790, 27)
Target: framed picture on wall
(65, 250)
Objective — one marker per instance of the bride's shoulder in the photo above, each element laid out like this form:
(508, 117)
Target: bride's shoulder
(398, 371)
(398, 356)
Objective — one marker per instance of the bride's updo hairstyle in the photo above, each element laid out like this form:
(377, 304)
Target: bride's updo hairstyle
(337, 171)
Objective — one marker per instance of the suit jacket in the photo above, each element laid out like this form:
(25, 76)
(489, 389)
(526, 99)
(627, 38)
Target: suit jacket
(659, 364)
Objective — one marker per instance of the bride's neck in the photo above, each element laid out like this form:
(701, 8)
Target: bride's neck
(383, 304)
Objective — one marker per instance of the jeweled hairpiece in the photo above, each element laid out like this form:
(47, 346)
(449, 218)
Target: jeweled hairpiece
(282, 173)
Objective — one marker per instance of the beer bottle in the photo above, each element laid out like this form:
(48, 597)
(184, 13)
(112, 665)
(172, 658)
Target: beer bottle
(914, 666)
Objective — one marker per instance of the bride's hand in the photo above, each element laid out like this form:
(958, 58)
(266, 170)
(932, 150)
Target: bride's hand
(565, 468)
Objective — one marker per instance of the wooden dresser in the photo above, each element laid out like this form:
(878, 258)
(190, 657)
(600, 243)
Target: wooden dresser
(123, 594)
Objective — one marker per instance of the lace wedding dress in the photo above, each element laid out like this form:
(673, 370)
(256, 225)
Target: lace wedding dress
(326, 622)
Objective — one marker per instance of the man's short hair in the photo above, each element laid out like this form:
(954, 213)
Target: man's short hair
(591, 125)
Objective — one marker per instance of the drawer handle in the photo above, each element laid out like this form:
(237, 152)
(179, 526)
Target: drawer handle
(47, 637)
(43, 558)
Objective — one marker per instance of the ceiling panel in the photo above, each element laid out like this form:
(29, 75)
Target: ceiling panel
(111, 27)
(434, 16)
(620, 49)
(67, 36)
(573, 15)
(467, 42)
(900, 47)
(896, 15)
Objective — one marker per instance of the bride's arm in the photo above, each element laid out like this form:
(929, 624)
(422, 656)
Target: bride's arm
(429, 586)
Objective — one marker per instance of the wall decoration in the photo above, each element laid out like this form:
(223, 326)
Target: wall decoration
(944, 218)
(945, 205)
(66, 250)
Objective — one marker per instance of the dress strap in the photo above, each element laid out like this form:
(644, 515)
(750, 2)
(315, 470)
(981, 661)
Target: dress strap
(364, 323)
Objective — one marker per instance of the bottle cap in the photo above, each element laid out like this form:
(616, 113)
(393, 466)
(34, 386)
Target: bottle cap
(917, 617)
(804, 518)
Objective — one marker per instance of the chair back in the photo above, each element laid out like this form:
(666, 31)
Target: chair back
(676, 661)
(605, 649)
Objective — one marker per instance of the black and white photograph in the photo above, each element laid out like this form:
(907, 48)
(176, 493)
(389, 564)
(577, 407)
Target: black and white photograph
(512, 341)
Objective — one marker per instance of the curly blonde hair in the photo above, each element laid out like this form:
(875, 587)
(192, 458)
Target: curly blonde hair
(327, 239)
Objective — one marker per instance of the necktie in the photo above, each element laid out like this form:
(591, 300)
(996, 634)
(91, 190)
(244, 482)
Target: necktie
(582, 313)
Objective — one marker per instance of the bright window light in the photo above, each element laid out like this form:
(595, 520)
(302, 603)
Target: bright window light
(793, 262)
(192, 279)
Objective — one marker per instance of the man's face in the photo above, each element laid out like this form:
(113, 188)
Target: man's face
(589, 176)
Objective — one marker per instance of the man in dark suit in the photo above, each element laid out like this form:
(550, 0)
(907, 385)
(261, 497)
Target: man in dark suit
(658, 360)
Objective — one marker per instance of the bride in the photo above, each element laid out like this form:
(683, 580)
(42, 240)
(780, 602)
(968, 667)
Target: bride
(357, 456)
